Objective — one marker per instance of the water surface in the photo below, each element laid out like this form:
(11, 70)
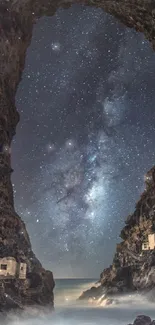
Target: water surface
(70, 312)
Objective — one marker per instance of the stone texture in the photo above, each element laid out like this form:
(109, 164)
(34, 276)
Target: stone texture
(133, 269)
(17, 18)
(143, 320)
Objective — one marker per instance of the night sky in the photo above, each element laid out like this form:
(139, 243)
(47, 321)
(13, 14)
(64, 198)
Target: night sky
(85, 139)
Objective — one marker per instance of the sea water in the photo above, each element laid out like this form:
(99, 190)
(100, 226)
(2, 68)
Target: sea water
(67, 291)
(69, 311)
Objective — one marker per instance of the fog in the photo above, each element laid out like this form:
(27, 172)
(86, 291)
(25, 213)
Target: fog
(73, 313)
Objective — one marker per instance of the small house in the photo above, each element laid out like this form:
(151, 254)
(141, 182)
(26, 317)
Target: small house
(10, 268)
(149, 244)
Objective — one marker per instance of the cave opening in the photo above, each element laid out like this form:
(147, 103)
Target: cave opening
(86, 83)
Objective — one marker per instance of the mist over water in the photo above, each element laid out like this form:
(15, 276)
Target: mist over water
(70, 312)
(67, 291)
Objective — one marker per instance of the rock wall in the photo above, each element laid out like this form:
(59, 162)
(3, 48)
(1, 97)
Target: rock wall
(17, 18)
(16, 25)
(133, 269)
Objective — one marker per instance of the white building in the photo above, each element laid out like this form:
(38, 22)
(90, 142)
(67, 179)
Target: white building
(9, 268)
(149, 244)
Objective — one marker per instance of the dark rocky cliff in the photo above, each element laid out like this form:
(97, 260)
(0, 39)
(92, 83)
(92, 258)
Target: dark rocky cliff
(133, 269)
(16, 24)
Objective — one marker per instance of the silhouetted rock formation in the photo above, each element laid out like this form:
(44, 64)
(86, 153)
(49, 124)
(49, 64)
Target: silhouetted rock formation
(133, 268)
(16, 24)
(143, 320)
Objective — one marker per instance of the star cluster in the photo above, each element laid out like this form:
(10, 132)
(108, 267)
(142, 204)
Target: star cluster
(85, 139)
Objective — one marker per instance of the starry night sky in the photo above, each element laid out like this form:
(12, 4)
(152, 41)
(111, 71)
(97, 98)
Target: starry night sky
(85, 139)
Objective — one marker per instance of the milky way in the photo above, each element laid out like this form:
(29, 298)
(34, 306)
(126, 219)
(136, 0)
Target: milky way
(85, 139)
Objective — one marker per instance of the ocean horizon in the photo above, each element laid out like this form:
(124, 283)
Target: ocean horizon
(68, 290)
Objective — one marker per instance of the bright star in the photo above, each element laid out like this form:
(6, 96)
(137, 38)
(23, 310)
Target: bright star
(50, 147)
(70, 144)
(56, 47)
